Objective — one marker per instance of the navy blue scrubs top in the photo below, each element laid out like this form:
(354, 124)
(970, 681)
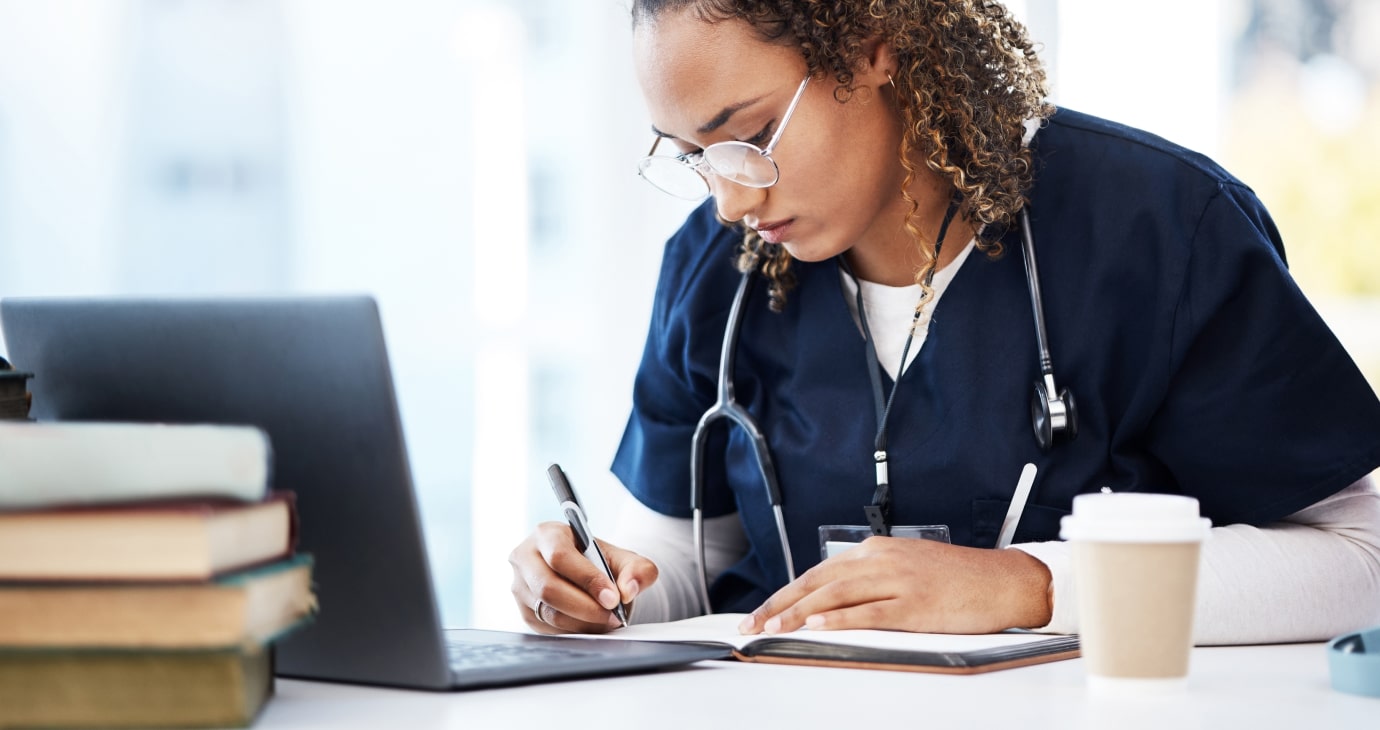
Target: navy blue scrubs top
(1198, 366)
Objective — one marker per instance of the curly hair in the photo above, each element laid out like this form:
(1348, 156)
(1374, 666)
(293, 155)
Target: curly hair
(966, 83)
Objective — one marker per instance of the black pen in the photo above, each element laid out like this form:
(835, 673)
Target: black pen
(579, 527)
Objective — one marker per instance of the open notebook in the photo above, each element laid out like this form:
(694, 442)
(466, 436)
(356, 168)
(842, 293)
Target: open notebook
(864, 649)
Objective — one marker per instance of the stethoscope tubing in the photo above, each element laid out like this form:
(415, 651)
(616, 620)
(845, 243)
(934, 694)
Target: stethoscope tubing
(727, 407)
(1032, 278)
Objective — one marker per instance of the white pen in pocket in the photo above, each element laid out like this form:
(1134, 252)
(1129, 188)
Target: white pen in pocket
(1013, 512)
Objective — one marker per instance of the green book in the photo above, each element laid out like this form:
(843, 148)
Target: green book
(251, 607)
(133, 689)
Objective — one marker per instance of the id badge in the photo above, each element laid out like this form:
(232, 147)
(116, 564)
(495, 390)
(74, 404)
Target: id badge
(835, 539)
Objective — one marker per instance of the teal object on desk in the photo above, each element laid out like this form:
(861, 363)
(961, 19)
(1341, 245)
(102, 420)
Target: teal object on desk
(1354, 660)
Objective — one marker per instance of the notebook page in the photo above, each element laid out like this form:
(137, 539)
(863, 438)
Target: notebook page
(723, 628)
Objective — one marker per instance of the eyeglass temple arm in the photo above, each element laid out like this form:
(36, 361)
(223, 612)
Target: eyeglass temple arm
(786, 118)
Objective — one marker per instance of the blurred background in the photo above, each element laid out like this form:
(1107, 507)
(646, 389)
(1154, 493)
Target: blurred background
(470, 163)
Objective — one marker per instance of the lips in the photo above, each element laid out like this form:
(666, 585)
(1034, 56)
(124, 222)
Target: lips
(776, 231)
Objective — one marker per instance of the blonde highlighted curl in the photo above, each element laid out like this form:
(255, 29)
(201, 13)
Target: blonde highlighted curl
(967, 81)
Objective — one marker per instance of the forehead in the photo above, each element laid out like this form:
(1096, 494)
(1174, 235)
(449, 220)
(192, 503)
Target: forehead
(690, 69)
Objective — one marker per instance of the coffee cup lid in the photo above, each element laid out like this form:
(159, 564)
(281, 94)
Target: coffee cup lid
(1134, 517)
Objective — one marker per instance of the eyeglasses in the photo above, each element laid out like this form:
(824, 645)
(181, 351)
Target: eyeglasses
(686, 175)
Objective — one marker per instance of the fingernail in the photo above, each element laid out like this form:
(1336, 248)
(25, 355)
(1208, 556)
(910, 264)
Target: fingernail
(815, 622)
(633, 588)
(773, 625)
(614, 623)
(608, 599)
(748, 624)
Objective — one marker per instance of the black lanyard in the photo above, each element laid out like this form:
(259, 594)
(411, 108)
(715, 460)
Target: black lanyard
(879, 511)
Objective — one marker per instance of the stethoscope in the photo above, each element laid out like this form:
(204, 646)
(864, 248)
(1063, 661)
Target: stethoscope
(1053, 412)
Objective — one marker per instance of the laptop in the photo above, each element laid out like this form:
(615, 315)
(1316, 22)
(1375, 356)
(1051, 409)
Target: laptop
(312, 372)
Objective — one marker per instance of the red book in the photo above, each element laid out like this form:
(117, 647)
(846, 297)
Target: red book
(150, 541)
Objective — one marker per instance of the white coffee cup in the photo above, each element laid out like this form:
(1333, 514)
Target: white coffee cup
(1135, 569)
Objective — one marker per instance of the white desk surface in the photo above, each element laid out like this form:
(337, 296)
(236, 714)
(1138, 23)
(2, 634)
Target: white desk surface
(1256, 687)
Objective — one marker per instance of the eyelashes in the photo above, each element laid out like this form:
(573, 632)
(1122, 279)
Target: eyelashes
(763, 136)
(758, 140)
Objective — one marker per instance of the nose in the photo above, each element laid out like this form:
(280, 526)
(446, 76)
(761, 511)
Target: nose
(734, 201)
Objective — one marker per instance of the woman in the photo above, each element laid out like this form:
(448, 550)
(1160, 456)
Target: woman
(903, 143)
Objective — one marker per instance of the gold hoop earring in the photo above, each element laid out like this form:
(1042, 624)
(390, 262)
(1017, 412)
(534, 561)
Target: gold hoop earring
(891, 80)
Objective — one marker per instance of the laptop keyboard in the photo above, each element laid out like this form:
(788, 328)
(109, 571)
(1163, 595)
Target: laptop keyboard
(465, 655)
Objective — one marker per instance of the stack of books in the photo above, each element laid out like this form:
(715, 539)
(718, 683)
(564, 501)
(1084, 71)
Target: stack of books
(145, 571)
(15, 397)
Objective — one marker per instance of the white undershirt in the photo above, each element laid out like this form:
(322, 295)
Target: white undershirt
(1312, 576)
(890, 310)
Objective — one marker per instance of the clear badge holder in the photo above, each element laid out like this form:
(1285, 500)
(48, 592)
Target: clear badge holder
(835, 539)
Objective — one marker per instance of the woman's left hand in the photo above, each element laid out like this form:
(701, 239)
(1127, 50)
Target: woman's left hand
(908, 584)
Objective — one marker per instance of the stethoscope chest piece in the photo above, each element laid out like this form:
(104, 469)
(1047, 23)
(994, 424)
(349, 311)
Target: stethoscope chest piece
(1054, 418)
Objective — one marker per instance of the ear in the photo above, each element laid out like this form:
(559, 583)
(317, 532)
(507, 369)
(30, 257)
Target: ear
(878, 63)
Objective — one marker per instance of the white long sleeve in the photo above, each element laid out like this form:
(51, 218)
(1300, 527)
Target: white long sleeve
(669, 542)
(1312, 576)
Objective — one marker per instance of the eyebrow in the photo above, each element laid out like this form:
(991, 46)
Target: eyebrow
(719, 119)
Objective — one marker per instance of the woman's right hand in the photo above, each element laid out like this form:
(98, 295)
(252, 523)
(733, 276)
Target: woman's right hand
(559, 591)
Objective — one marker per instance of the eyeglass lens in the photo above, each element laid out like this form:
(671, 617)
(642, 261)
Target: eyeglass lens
(674, 177)
(737, 162)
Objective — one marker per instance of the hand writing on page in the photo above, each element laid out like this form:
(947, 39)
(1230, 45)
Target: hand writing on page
(558, 590)
(907, 584)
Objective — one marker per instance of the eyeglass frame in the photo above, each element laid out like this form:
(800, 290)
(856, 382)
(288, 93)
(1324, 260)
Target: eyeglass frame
(702, 164)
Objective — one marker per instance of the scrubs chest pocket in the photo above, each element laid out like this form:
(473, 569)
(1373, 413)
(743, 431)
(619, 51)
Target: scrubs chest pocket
(1038, 522)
